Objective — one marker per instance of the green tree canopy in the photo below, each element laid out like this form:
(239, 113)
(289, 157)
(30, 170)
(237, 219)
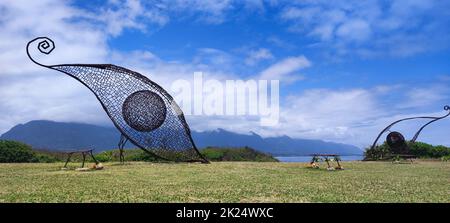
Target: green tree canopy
(420, 149)
(15, 152)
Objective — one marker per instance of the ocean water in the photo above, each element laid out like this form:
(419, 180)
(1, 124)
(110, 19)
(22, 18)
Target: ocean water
(304, 159)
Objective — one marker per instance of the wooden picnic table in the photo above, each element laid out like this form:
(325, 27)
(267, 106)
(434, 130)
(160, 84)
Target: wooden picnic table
(83, 153)
(336, 157)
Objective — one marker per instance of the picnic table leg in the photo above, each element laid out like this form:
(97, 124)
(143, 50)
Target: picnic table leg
(328, 162)
(313, 159)
(92, 155)
(67, 161)
(337, 161)
(84, 158)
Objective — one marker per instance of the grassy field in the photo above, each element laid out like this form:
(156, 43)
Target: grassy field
(227, 182)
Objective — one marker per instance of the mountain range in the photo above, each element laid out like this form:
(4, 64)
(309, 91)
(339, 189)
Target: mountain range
(50, 135)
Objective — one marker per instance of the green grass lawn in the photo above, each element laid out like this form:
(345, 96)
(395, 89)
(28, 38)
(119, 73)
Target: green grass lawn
(227, 182)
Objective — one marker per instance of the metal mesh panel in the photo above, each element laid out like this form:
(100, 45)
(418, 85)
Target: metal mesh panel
(142, 111)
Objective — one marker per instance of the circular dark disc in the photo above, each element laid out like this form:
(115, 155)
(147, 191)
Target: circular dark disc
(144, 111)
(396, 141)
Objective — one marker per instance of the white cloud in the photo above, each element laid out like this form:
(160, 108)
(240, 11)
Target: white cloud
(52, 97)
(32, 92)
(119, 15)
(372, 28)
(210, 58)
(26, 20)
(285, 69)
(423, 97)
(330, 113)
(213, 11)
(255, 56)
(355, 30)
(305, 14)
(353, 116)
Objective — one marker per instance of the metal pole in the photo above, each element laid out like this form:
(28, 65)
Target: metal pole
(92, 155)
(67, 161)
(84, 158)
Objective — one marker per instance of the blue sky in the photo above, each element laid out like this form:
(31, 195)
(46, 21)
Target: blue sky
(369, 62)
(244, 29)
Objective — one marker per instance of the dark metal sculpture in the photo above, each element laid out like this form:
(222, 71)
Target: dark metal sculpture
(140, 109)
(396, 141)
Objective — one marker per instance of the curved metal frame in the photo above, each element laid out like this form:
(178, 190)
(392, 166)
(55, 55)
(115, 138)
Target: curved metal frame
(446, 108)
(46, 46)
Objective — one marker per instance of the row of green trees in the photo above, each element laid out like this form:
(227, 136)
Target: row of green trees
(419, 149)
(13, 152)
(17, 152)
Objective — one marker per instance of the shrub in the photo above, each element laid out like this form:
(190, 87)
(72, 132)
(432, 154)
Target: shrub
(44, 158)
(139, 155)
(15, 152)
(419, 149)
(377, 153)
(105, 156)
(236, 154)
(129, 155)
(213, 154)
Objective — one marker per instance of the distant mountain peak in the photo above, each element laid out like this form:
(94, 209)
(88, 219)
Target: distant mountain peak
(285, 137)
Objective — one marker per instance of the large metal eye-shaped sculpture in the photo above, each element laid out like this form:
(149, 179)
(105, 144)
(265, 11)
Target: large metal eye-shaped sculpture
(396, 141)
(140, 109)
